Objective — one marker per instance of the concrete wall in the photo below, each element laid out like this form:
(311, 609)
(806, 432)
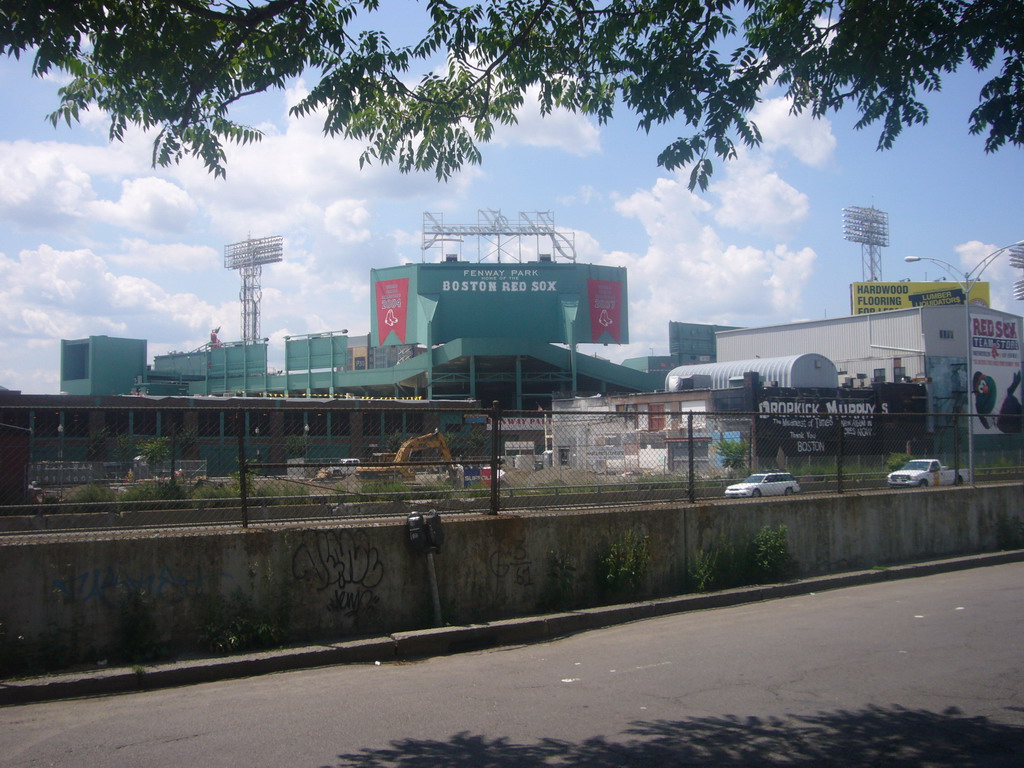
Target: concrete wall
(363, 579)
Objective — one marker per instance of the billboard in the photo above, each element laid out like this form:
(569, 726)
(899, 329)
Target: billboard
(866, 298)
(540, 301)
(995, 372)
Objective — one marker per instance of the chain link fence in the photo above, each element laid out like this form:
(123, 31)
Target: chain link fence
(66, 470)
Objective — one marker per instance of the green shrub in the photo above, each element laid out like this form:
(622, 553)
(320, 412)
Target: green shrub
(235, 623)
(155, 492)
(896, 461)
(771, 558)
(214, 491)
(733, 454)
(558, 590)
(763, 558)
(716, 567)
(1009, 532)
(93, 493)
(277, 491)
(624, 566)
(137, 628)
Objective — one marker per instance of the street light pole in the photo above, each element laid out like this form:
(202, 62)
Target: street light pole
(305, 449)
(967, 281)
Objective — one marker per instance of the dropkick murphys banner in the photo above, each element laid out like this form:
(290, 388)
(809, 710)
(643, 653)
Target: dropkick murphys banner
(996, 372)
(790, 426)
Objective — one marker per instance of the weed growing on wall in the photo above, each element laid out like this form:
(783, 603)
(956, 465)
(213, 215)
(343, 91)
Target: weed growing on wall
(771, 558)
(558, 591)
(12, 651)
(624, 566)
(50, 651)
(758, 560)
(140, 639)
(235, 623)
(1009, 532)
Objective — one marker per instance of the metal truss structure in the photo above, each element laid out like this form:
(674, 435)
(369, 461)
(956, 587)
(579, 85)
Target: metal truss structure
(870, 228)
(533, 237)
(248, 257)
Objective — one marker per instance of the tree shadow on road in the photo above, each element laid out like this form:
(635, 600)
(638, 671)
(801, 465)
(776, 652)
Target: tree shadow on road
(875, 736)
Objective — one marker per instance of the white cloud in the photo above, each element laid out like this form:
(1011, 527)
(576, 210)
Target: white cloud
(145, 255)
(755, 199)
(39, 187)
(347, 219)
(48, 294)
(148, 203)
(808, 139)
(689, 274)
(561, 129)
(289, 180)
(999, 274)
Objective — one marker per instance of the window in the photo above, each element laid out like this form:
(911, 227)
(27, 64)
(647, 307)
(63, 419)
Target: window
(144, 422)
(259, 423)
(294, 421)
(209, 423)
(371, 423)
(172, 422)
(414, 423)
(340, 423)
(116, 422)
(317, 421)
(656, 421)
(945, 334)
(15, 418)
(76, 423)
(393, 423)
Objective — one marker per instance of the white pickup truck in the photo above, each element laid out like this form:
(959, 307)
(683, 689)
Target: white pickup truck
(925, 472)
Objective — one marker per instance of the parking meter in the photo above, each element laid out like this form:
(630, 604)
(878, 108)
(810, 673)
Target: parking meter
(417, 533)
(435, 533)
(426, 535)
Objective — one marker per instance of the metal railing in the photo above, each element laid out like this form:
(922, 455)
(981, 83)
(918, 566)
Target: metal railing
(493, 461)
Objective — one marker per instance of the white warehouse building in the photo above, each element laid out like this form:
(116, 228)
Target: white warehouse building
(921, 344)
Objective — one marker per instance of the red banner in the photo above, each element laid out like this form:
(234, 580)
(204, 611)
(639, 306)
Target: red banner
(605, 309)
(392, 309)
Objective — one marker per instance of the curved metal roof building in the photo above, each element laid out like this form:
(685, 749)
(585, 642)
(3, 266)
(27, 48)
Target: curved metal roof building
(806, 370)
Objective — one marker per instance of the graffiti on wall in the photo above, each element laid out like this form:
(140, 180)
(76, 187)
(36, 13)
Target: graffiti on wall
(516, 562)
(106, 585)
(343, 563)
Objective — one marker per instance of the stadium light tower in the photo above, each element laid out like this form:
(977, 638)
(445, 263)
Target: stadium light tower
(248, 257)
(870, 228)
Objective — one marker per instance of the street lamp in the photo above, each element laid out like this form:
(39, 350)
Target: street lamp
(967, 281)
(60, 462)
(305, 448)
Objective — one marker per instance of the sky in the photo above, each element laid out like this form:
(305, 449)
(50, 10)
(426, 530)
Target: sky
(95, 241)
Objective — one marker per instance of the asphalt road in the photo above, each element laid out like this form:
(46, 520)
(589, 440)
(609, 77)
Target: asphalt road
(917, 672)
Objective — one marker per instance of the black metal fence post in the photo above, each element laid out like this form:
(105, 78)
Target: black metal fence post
(243, 470)
(839, 454)
(956, 444)
(174, 448)
(495, 461)
(691, 488)
(752, 458)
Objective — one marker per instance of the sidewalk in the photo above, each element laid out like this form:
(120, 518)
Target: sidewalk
(447, 640)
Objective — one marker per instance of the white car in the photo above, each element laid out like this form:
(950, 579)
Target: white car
(767, 484)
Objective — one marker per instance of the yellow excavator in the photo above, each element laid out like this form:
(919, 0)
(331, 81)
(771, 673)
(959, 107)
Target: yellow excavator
(431, 446)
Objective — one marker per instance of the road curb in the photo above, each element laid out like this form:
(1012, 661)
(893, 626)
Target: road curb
(448, 640)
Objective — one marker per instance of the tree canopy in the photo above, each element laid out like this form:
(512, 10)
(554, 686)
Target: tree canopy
(179, 65)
